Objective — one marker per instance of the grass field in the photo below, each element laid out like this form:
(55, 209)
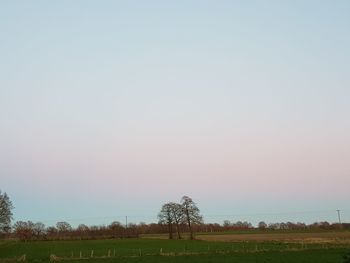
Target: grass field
(313, 237)
(161, 250)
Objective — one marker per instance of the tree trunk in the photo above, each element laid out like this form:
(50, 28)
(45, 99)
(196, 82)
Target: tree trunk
(170, 231)
(189, 224)
(178, 231)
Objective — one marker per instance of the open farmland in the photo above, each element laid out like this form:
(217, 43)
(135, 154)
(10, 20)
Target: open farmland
(161, 250)
(316, 237)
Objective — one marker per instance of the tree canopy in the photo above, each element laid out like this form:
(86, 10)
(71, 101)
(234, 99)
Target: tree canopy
(184, 213)
(5, 212)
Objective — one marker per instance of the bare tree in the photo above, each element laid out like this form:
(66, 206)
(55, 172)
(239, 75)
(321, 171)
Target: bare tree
(5, 212)
(226, 223)
(63, 228)
(82, 230)
(38, 229)
(117, 229)
(51, 231)
(165, 216)
(262, 225)
(191, 213)
(178, 216)
(24, 230)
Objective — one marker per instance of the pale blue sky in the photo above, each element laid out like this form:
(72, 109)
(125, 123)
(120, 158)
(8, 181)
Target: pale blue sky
(110, 108)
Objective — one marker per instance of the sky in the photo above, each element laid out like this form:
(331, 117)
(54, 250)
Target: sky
(111, 108)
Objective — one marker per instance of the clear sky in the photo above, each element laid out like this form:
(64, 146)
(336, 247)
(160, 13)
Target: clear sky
(111, 108)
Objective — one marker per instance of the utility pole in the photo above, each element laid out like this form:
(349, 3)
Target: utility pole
(126, 221)
(339, 216)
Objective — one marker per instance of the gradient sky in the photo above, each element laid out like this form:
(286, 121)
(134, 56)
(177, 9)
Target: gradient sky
(111, 108)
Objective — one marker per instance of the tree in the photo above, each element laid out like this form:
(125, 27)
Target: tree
(178, 216)
(82, 230)
(191, 213)
(5, 212)
(227, 223)
(63, 227)
(116, 228)
(165, 216)
(51, 231)
(24, 230)
(38, 229)
(262, 225)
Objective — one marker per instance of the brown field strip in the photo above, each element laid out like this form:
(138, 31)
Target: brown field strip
(327, 237)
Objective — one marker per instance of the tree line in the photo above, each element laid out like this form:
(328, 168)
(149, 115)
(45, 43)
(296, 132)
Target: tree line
(28, 230)
(174, 220)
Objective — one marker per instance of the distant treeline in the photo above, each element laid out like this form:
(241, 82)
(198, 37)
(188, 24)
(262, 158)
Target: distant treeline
(174, 219)
(63, 230)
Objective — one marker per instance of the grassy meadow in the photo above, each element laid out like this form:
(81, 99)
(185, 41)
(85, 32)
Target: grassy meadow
(155, 249)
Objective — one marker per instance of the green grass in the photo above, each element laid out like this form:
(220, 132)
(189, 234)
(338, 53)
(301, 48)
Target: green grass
(252, 231)
(128, 250)
(272, 231)
(316, 256)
